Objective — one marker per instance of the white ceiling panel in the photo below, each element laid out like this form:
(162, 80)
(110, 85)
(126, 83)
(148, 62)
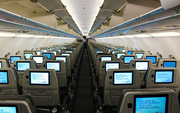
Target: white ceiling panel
(83, 12)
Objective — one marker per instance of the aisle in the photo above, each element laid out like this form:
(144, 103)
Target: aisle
(83, 97)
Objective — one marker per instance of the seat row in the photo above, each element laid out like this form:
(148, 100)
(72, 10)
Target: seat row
(111, 77)
(50, 83)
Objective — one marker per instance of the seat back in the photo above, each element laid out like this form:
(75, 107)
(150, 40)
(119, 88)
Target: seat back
(60, 69)
(139, 54)
(142, 66)
(48, 54)
(153, 58)
(163, 77)
(104, 66)
(17, 104)
(21, 66)
(55, 52)
(9, 82)
(27, 54)
(67, 62)
(43, 86)
(4, 63)
(71, 58)
(126, 59)
(148, 101)
(12, 58)
(116, 81)
(118, 55)
(101, 58)
(39, 60)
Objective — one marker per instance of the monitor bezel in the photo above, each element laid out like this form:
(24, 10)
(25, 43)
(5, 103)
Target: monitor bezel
(123, 72)
(22, 62)
(39, 72)
(106, 56)
(62, 56)
(54, 62)
(69, 51)
(3, 105)
(128, 56)
(14, 56)
(153, 95)
(141, 56)
(46, 55)
(28, 53)
(170, 61)
(7, 76)
(111, 62)
(37, 56)
(163, 82)
(151, 60)
(141, 61)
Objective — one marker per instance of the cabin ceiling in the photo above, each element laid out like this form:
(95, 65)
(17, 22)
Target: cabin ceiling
(94, 18)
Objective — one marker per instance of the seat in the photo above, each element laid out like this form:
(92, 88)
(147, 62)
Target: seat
(17, 104)
(21, 66)
(118, 54)
(60, 69)
(154, 59)
(115, 82)
(141, 65)
(168, 63)
(163, 77)
(4, 63)
(43, 87)
(39, 60)
(104, 66)
(48, 54)
(55, 52)
(71, 57)
(28, 54)
(11, 58)
(148, 101)
(126, 59)
(9, 82)
(100, 58)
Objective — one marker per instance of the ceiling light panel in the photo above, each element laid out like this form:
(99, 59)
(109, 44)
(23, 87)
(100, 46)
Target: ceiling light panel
(83, 12)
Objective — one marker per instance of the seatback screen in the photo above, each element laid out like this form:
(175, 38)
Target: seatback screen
(129, 52)
(68, 52)
(53, 65)
(169, 64)
(111, 66)
(63, 47)
(12, 58)
(8, 109)
(119, 55)
(22, 66)
(123, 78)
(0, 65)
(124, 50)
(48, 55)
(164, 76)
(53, 52)
(61, 58)
(139, 55)
(28, 55)
(3, 77)
(38, 52)
(65, 54)
(127, 59)
(141, 66)
(38, 59)
(119, 48)
(151, 104)
(106, 59)
(39, 78)
(153, 58)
